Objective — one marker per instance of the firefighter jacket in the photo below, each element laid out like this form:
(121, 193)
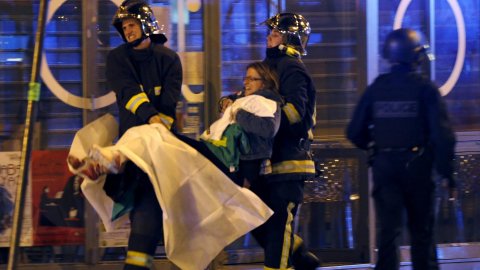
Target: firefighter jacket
(146, 82)
(291, 157)
(403, 110)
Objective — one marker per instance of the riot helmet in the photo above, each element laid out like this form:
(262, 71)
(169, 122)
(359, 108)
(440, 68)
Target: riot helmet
(139, 9)
(294, 27)
(405, 46)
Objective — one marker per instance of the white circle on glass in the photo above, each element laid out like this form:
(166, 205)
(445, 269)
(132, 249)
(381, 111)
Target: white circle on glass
(57, 89)
(462, 41)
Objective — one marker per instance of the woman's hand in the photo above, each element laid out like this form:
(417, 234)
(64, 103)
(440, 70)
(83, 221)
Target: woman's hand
(224, 104)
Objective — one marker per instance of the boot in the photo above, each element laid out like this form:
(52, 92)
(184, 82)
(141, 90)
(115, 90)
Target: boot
(305, 260)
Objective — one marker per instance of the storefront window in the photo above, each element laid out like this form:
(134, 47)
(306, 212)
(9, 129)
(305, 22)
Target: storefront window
(452, 29)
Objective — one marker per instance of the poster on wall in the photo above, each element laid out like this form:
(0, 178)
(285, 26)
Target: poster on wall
(114, 238)
(9, 174)
(190, 107)
(58, 203)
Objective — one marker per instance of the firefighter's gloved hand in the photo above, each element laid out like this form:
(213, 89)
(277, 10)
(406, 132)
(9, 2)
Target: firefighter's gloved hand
(155, 119)
(161, 119)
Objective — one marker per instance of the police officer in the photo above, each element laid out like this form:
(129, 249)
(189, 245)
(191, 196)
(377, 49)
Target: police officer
(291, 162)
(402, 119)
(146, 78)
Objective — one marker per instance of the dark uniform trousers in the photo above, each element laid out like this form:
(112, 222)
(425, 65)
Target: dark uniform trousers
(402, 180)
(275, 235)
(145, 218)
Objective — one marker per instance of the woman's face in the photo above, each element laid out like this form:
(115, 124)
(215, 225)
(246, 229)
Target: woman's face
(274, 39)
(252, 82)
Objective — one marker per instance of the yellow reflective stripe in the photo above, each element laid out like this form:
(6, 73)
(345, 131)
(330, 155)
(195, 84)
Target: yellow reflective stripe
(310, 134)
(139, 259)
(222, 142)
(136, 101)
(167, 120)
(270, 268)
(314, 118)
(290, 51)
(158, 90)
(291, 113)
(294, 166)
(297, 242)
(287, 241)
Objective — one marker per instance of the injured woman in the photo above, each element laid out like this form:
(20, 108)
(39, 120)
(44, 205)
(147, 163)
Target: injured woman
(194, 182)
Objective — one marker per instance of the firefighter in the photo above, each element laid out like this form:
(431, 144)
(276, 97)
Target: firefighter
(146, 77)
(402, 120)
(291, 162)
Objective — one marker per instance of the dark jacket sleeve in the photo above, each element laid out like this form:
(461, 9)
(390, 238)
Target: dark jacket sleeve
(172, 85)
(265, 127)
(441, 134)
(299, 97)
(358, 128)
(295, 86)
(121, 79)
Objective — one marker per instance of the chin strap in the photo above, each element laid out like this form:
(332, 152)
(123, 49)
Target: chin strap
(289, 50)
(136, 42)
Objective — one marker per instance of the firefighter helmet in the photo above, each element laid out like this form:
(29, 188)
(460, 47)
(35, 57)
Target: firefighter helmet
(294, 27)
(139, 9)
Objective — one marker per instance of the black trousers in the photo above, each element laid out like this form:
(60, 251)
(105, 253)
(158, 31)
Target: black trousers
(145, 216)
(403, 183)
(276, 235)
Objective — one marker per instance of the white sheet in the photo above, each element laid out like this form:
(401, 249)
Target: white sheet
(258, 105)
(203, 210)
